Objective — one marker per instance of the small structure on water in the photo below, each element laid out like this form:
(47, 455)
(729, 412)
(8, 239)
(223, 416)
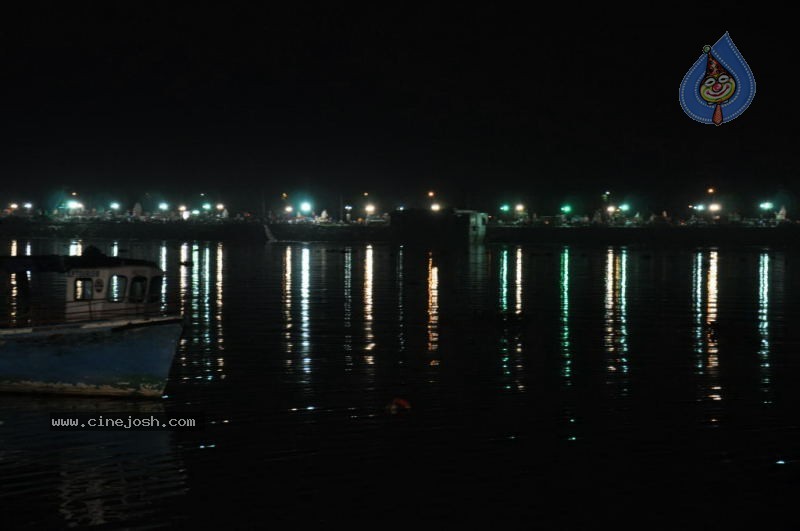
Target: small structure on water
(443, 226)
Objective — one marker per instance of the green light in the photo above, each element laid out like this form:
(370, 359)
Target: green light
(206, 206)
(624, 208)
(305, 207)
(505, 208)
(566, 209)
(767, 205)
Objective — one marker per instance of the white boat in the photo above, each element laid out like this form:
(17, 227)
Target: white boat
(111, 336)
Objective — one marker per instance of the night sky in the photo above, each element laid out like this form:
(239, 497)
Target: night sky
(482, 105)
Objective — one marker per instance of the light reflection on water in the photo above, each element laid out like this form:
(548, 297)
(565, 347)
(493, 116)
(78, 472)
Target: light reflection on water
(615, 340)
(494, 343)
(763, 324)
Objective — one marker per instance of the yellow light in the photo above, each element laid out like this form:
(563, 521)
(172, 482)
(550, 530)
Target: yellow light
(711, 190)
(519, 208)
(288, 208)
(14, 206)
(370, 209)
(436, 207)
(715, 207)
(182, 208)
(220, 206)
(611, 209)
(431, 194)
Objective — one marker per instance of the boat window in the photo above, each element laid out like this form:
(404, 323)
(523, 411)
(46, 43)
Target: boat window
(155, 289)
(138, 289)
(83, 289)
(117, 286)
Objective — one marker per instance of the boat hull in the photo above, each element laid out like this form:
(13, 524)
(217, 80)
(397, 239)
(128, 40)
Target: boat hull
(109, 358)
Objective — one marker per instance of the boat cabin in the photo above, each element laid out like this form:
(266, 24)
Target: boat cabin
(105, 292)
(95, 286)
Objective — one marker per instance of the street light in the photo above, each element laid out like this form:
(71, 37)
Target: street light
(288, 209)
(435, 207)
(182, 208)
(431, 193)
(220, 206)
(611, 209)
(369, 209)
(519, 208)
(714, 207)
(13, 206)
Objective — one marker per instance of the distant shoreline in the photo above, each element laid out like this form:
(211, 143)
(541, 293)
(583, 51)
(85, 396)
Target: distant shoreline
(256, 232)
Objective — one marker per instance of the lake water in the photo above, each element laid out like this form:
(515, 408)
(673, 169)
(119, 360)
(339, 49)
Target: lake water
(550, 387)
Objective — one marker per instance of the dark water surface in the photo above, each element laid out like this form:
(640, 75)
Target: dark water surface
(553, 387)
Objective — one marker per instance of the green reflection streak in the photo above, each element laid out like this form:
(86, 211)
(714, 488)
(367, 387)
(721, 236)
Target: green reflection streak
(504, 350)
(566, 372)
(504, 280)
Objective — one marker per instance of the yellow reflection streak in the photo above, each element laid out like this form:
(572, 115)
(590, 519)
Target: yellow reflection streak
(368, 286)
(287, 300)
(697, 296)
(218, 285)
(14, 289)
(609, 302)
(616, 314)
(433, 305)
(712, 363)
(518, 293)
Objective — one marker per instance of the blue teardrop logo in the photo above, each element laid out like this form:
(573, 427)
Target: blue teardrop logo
(719, 86)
